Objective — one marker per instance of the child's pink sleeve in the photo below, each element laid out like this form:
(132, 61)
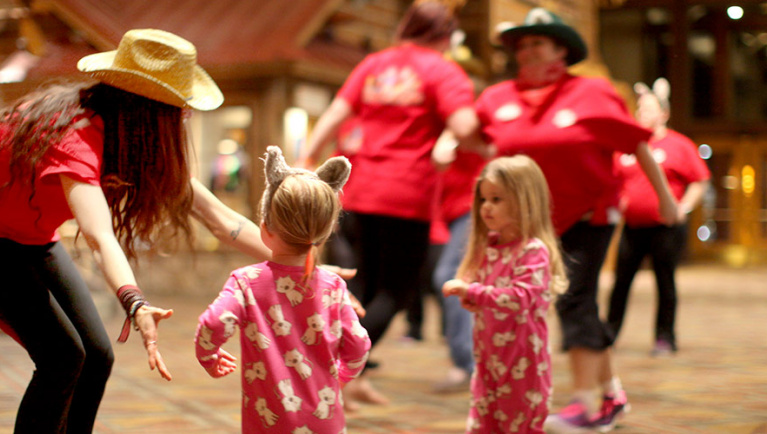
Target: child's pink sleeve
(355, 342)
(218, 323)
(527, 280)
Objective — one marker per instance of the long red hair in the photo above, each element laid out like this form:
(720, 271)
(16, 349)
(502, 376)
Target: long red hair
(145, 175)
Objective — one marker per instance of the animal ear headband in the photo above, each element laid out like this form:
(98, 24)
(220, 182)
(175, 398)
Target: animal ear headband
(335, 172)
(661, 89)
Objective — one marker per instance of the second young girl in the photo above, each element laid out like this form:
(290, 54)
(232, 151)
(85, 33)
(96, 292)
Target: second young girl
(300, 339)
(512, 265)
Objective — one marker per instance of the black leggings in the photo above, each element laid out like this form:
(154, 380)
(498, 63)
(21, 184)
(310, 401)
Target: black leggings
(664, 245)
(45, 301)
(391, 253)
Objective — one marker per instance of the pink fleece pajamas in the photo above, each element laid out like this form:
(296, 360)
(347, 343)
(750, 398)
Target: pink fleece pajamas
(299, 344)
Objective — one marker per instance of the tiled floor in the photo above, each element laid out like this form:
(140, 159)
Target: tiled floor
(717, 383)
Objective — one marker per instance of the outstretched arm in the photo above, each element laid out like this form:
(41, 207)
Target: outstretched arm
(464, 125)
(234, 229)
(326, 128)
(90, 208)
(227, 225)
(668, 205)
(462, 132)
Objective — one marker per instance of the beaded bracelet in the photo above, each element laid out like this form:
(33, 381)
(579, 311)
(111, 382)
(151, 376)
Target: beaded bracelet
(132, 299)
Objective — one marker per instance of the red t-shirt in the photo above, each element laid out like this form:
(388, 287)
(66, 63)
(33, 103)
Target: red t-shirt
(402, 96)
(678, 157)
(78, 156)
(572, 135)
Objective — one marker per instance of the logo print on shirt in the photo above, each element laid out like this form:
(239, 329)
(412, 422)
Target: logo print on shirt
(627, 160)
(508, 112)
(394, 86)
(564, 118)
(659, 155)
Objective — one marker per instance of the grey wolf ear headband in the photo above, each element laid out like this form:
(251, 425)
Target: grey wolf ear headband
(335, 172)
(661, 89)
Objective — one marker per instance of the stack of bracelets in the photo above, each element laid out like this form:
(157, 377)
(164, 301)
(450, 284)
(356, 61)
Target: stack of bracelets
(132, 299)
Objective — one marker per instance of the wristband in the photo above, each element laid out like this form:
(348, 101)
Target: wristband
(132, 299)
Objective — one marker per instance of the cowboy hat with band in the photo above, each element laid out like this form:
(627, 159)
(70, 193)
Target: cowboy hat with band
(157, 65)
(540, 21)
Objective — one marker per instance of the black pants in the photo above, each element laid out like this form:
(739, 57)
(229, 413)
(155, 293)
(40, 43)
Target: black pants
(584, 247)
(664, 245)
(391, 253)
(45, 301)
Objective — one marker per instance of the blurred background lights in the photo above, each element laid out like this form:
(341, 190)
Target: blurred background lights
(730, 182)
(747, 180)
(704, 233)
(705, 151)
(735, 12)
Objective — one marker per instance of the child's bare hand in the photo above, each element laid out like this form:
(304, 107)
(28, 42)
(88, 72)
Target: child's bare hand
(224, 365)
(455, 287)
(470, 306)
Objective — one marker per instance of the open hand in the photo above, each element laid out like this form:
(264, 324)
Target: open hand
(147, 318)
(224, 365)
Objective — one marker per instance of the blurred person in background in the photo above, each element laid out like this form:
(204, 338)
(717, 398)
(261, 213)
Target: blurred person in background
(644, 233)
(404, 97)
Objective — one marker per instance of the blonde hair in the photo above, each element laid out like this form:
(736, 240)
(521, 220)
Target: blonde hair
(524, 183)
(302, 212)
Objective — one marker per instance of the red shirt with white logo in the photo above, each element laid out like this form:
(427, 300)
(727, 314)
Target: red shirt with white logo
(678, 157)
(35, 220)
(402, 96)
(572, 134)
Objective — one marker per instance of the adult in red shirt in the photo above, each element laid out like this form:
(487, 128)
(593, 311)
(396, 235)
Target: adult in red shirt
(113, 156)
(571, 126)
(404, 97)
(644, 233)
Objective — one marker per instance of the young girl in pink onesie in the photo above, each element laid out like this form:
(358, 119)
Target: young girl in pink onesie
(300, 338)
(507, 277)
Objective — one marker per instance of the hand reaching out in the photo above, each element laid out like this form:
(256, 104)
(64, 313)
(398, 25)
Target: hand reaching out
(455, 287)
(459, 288)
(146, 319)
(224, 365)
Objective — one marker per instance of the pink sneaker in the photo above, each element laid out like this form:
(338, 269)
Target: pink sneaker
(614, 407)
(571, 419)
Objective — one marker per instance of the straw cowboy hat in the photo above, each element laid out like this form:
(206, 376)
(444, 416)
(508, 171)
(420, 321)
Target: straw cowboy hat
(540, 21)
(157, 65)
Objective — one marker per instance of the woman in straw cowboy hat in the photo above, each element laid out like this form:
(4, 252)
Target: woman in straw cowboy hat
(113, 155)
(571, 126)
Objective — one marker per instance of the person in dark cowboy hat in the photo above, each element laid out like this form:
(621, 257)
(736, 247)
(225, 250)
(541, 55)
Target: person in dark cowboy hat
(571, 126)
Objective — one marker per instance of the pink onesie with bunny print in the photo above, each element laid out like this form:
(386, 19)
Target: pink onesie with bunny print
(512, 379)
(299, 344)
